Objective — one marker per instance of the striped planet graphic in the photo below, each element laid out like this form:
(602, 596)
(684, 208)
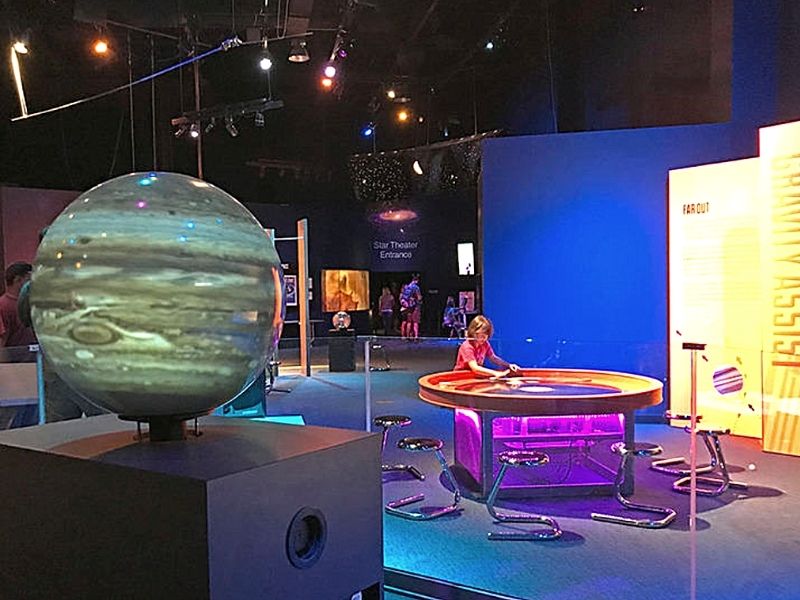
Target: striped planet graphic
(156, 294)
(727, 379)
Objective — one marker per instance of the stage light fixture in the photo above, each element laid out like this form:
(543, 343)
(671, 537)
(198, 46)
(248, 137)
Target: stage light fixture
(265, 63)
(326, 83)
(368, 130)
(391, 94)
(330, 71)
(211, 124)
(417, 168)
(194, 131)
(100, 47)
(402, 116)
(489, 45)
(298, 53)
(181, 130)
(231, 127)
(19, 48)
(259, 119)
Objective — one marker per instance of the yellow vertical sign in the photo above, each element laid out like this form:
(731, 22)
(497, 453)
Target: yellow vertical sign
(780, 183)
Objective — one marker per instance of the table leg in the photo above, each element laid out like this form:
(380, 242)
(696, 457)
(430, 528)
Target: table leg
(629, 439)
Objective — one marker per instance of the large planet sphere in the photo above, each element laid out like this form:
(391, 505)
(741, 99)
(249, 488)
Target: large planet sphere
(156, 294)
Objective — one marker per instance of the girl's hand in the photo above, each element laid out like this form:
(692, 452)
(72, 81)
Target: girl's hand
(514, 369)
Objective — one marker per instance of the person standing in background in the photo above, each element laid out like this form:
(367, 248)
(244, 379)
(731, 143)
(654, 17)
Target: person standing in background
(13, 332)
(411, 299)
(386, 308)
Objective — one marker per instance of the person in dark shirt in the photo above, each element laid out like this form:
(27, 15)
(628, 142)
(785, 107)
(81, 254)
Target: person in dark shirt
(13, 332)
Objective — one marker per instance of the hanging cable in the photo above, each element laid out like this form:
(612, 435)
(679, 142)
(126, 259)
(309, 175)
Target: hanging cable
(189, 61)
(130, 104)
(153, 101)
(553, 109)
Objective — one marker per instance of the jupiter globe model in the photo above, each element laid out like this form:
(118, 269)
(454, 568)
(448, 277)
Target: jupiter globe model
(156, 295)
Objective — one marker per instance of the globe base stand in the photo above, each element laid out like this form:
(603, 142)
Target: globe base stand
(164, 428)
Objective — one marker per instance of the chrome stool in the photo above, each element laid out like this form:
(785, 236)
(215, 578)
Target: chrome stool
(425, 445)
(627, 453)
(520, 458)
(387, 422)
(666, 465)
(718, 485)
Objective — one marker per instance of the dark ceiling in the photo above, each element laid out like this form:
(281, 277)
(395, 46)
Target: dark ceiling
(432, 51)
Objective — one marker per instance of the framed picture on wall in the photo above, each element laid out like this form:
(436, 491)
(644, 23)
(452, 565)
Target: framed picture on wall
(290, 289)
(466, 300)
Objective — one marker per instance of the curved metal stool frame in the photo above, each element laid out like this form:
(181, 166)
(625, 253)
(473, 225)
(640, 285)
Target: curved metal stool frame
(719, 485)
(666, 465)
(520, 458)
(387, 422)
(425, 445)
(668, 514)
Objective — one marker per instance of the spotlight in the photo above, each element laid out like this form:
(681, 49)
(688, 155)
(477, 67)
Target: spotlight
(402, 116)
(489, 45)
(259, 119)
(368, 130)
(265, 63)
(20, 48)
(100, 47)
(298, 52)
(417, 167)
(330, 71)
(194, 131)
(326, 83)
(211, 124)
(391, 94)
(231, 127)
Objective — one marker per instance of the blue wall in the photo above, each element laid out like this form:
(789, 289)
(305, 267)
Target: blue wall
(575, 225)
(575, 242)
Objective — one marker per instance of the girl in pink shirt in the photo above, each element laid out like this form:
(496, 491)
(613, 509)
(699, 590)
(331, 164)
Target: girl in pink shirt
(476, 349)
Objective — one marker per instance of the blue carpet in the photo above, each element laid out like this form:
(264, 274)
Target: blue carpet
(747, 543)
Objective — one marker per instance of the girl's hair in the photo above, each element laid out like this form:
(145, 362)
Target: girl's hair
(480, 323)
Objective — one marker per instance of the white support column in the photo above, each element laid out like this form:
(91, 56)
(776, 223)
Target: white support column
(302, 296)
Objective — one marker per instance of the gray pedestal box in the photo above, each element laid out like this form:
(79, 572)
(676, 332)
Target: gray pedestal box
(244, 511)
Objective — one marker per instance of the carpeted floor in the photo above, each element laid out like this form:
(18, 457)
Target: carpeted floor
(747, 543)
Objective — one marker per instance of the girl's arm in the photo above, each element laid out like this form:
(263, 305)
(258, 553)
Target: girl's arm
(501, 362)
(486, 372)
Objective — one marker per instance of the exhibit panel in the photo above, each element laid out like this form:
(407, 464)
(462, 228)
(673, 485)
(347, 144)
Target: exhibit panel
(734, 276)
(714, 297)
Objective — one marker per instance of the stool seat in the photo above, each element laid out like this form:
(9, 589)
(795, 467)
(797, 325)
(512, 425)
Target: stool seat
(711, 430)
(681, 416)
(639, 449)
(420, 444)
(523, 458)
(391, 421)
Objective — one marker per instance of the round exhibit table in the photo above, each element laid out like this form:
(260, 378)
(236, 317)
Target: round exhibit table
(573, 415)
